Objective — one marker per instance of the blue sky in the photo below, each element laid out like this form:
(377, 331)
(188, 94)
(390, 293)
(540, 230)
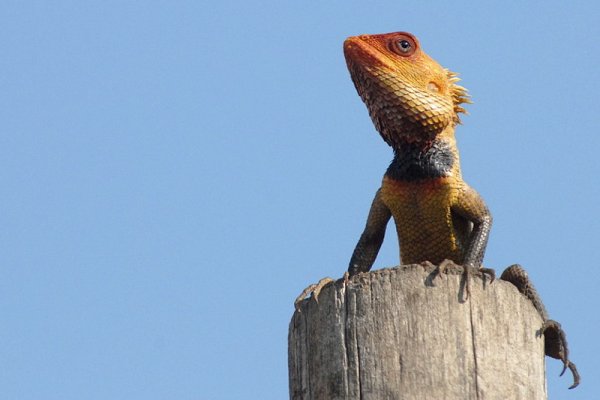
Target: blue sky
(174, 173)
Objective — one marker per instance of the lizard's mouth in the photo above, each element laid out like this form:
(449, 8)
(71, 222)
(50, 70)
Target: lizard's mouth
(357, 50)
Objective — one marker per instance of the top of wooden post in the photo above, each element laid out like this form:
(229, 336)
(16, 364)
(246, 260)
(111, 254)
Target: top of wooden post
(397, 334)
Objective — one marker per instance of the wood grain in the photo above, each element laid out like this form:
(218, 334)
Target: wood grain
(395, 334)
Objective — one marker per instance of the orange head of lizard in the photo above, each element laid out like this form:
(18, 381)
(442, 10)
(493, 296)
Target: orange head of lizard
(410, 97)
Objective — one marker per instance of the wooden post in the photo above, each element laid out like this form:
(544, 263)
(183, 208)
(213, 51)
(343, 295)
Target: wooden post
(394, 334)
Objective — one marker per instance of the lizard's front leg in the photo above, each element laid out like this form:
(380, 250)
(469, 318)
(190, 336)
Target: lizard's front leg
(470, 206)
(555, 340)
(371, 239)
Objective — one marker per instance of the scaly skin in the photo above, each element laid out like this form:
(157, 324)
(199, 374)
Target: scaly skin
(414, 104)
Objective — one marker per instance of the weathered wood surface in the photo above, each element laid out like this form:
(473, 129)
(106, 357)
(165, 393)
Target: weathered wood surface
(393, 334)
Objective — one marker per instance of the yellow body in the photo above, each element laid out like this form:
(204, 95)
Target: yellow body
(426, 227)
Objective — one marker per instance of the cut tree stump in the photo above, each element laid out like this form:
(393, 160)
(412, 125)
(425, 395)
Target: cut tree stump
(396, 334)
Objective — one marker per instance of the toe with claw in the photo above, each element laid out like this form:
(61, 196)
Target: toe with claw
(442, 267)
(469, 269)
(489, 271)
(315, 289)
(555, 346)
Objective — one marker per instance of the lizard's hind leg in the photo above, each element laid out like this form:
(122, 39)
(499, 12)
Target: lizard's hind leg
(555, 340)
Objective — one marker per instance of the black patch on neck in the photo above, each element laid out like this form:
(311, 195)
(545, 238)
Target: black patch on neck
(414, 162)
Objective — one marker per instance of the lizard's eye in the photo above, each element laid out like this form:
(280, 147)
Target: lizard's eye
(403, 45)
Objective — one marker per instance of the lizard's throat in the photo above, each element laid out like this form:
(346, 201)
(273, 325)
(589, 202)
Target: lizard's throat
(416, 161)
(402, 112)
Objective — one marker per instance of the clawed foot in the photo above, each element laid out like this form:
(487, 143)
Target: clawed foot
(442, 267)
(315, 289)
(468, 270)
(555, 346)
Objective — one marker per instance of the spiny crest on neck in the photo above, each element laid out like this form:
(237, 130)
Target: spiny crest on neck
(459, 94)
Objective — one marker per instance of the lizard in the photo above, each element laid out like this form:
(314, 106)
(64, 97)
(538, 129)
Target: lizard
(414, 104)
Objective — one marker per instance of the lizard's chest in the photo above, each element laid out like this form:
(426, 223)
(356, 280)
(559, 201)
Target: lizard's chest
(419, 201)
(422, 212)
